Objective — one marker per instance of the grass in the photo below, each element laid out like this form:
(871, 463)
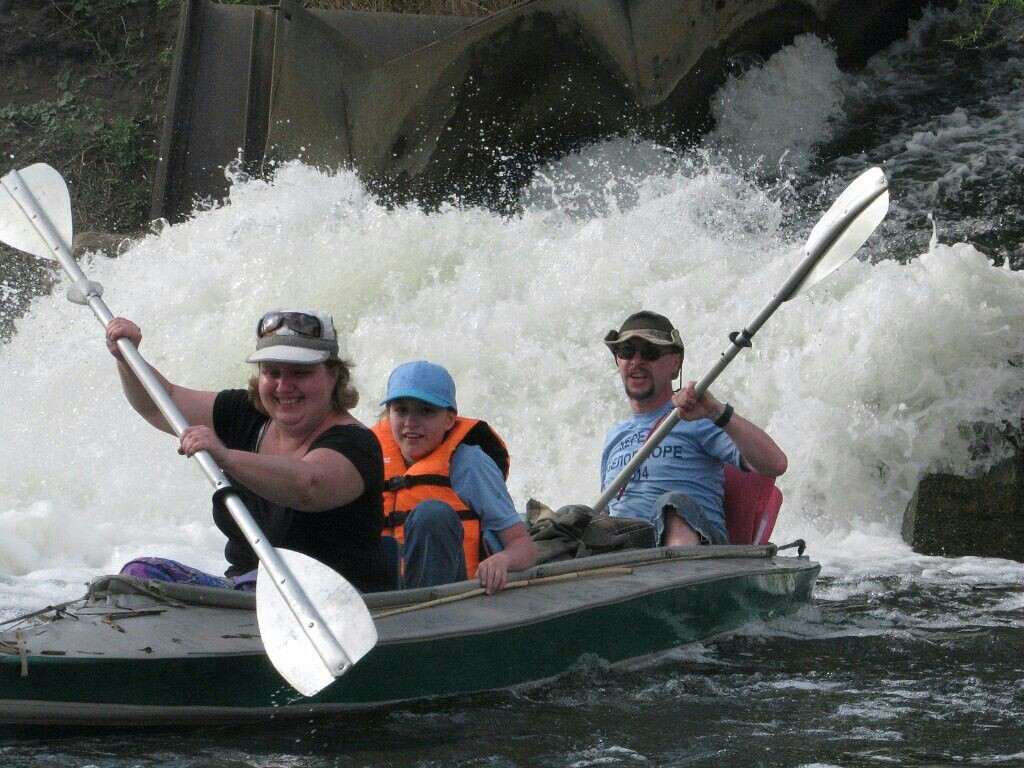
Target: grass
(99, 86)
(998, 21)
(425, 7)
(75, 125)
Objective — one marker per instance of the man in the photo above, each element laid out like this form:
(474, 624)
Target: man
(679, 487)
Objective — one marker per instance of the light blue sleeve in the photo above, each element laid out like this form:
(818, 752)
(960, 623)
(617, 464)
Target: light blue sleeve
(604, 460)
(720, 445)
(477, 480)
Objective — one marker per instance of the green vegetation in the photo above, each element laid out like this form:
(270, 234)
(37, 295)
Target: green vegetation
(69, 124)
(426, 7)
(998, 21)
(106, 26)
(88, 98)
(91, 99)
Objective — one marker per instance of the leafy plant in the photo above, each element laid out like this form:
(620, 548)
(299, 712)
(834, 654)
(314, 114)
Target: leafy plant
(998, 21)
(76, 125)
(429, 7)
(60, 120)
(121, 139)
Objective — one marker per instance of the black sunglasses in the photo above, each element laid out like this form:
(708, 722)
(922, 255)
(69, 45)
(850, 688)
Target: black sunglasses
(648, 352)
(299, 322)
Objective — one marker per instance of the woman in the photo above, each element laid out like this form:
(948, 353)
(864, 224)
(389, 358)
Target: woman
(445, 497)
(310, 473)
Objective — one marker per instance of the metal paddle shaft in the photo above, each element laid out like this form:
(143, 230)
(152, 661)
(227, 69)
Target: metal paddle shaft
(44, 229)
(835, 238)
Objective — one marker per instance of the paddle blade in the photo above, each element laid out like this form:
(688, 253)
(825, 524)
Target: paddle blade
(46, 185)
(341, 607)
(846, 226)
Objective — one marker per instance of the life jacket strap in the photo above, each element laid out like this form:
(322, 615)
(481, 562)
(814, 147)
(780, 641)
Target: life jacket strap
(396, 519)
(398, 482)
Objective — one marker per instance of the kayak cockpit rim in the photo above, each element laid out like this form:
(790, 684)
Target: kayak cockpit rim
(190, 594)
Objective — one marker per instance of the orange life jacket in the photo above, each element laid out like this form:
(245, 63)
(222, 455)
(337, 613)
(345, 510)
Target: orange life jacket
(430, 478)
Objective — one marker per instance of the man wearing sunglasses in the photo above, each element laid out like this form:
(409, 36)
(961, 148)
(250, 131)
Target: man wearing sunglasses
(679, 487)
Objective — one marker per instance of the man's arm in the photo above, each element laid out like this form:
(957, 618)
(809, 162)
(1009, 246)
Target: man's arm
(757, 450)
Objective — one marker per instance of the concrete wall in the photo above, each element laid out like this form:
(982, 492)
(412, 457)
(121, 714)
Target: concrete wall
(429, 107)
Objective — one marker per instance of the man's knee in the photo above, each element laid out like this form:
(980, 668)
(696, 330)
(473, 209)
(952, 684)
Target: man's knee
(685, 522)
(678, 532)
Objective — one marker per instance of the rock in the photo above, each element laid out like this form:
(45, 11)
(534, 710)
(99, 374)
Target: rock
(104, 242)
(956, 516)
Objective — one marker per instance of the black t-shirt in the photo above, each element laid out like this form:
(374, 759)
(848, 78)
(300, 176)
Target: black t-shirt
(346, 538)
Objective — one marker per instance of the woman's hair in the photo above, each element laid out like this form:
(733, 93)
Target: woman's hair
(343, 397)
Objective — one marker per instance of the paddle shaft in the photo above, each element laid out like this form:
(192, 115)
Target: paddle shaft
(794, 284)
(84, 291)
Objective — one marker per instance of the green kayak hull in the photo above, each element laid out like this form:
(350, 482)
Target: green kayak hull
(145, 653)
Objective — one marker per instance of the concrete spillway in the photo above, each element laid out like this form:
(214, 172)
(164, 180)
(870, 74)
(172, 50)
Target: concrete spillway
(427, 107)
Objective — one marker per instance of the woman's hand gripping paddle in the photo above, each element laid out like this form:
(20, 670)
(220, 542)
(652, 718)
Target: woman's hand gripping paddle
(313, 623)
(835, 238)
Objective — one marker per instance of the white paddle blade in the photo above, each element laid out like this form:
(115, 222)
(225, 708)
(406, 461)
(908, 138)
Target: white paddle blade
(847, 244)
(871, 186)
(46, 185)
(287, 644)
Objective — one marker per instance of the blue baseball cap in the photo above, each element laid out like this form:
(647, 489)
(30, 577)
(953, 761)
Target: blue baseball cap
(424, 381)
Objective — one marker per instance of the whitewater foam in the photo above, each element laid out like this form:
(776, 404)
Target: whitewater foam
(869, 381)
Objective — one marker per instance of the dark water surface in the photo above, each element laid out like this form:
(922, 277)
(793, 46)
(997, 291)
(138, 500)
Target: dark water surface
(890, 676)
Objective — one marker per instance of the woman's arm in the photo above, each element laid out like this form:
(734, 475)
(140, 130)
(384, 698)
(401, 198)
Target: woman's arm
(195, 405)
(322, 479)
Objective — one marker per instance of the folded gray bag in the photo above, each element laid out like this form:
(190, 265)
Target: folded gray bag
(611, 534)
(576, 531)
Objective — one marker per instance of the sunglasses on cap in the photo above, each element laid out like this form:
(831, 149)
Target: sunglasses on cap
(299, 322)
(648, 352)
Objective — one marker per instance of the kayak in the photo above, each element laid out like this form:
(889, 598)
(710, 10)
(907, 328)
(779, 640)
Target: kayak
(137, 652)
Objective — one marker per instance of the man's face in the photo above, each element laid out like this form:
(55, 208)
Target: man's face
(647, 370)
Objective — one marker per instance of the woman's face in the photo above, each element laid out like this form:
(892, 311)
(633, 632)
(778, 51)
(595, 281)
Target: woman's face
(296, 396)
(418, 427)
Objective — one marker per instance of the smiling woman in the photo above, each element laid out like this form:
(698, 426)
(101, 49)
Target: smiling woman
(310, 473)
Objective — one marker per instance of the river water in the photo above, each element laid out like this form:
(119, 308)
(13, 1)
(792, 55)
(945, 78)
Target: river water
(905, 361)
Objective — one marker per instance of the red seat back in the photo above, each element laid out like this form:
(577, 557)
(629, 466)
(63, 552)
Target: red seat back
(751, 504)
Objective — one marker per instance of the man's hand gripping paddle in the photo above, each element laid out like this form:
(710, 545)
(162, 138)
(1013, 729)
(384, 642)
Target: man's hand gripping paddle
(835, 238)
(313, 623)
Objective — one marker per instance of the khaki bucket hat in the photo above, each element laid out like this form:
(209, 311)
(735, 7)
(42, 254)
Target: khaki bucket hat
(646, 325)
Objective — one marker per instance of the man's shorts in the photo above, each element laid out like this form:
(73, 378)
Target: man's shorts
(691, 513)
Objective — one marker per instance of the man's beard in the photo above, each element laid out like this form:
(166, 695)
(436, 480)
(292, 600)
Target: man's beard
(640, 396)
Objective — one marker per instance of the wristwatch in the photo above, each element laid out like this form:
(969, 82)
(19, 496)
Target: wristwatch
(722, 420)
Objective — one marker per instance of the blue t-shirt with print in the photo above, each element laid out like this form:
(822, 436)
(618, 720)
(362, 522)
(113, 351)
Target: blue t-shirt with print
(477, 480)
(688, 460)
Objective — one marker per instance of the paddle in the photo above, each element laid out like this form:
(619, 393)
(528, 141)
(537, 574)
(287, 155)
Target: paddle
(309, 647)
(834, 239)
